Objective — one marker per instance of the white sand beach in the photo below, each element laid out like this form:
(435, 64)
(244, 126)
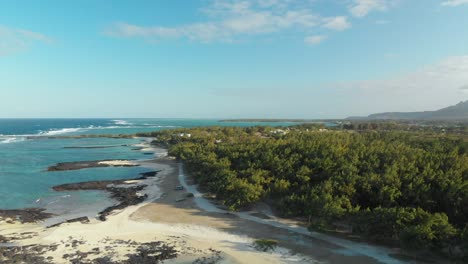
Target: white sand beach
(117, 163)
(192, 240)
(193, 225)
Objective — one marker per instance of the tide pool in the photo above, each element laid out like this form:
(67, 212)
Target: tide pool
(26, 151)
(25, 181)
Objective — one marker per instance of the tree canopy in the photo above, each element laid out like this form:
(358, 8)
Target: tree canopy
(401, 186)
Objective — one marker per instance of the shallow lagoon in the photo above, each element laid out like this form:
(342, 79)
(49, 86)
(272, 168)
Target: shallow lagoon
(24, 180)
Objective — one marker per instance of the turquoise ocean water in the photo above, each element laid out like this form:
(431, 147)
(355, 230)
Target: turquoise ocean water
(24, 181)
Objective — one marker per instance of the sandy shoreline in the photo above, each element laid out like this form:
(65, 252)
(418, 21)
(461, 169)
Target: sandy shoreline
(255, 224)
(207, 236)
(124, 231)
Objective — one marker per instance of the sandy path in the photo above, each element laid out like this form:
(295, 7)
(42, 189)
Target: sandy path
(349, 247)
(201, 212)
(116, 237)
(196, 227)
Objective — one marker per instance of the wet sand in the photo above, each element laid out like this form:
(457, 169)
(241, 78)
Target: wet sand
(171, 223)
(123, 237)
(167, 210)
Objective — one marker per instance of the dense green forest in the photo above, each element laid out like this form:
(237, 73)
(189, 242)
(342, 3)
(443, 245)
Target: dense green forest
(409, 188)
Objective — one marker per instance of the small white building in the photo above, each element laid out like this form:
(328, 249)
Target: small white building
(185, 135)
(279, 131)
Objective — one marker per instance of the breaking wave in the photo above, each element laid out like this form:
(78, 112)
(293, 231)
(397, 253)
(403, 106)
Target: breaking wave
(59, 131)
(118, 124)
(10, 139)
(121, 122)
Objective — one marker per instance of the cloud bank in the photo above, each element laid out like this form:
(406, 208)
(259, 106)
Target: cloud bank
(13, 40)
(430, 88)
(455, 2)
(314, 40)
(440, 84)
(228, 20)
(361, 8)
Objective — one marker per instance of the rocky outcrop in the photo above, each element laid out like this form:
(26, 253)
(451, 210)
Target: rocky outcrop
(78, 165)
(27, 215)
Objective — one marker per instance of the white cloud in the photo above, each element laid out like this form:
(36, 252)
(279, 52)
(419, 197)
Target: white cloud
(454, 2)
(13, 40)
(228, 20)
(314, 40)
(337, 23)
(361, 8)
(200, 31)
(428, 88)
(437, 85)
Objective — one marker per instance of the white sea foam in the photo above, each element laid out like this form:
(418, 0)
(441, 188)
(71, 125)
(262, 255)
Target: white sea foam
(10, 139)
(123, 125)
(5, 139)
(121, 122)
(155, 125)
(53, 132)
(59, 131)
(132, 126)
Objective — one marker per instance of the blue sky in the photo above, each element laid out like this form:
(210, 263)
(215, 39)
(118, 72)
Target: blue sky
(231, 58)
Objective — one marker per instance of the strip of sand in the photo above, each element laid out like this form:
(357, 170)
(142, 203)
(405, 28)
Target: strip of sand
(122, 236)
(182, 221)
(117, 163)
(178, 226)
(200, 212)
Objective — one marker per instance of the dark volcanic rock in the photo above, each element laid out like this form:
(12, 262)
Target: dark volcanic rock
(100, 185)
(149, 174)
(146, 253)
(137, 149)
(126, 194)
(83, 220)
(126, 197)
(91, 185)
(152, 252)
(78, 165)
(28, 215)
(25, 254)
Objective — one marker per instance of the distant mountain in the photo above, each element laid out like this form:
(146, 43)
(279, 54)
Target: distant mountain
(455, 112)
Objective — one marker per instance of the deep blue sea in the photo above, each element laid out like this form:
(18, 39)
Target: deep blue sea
(25, 182)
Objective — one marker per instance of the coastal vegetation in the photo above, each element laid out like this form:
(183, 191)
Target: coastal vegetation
(265, 244)
(390, 185)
